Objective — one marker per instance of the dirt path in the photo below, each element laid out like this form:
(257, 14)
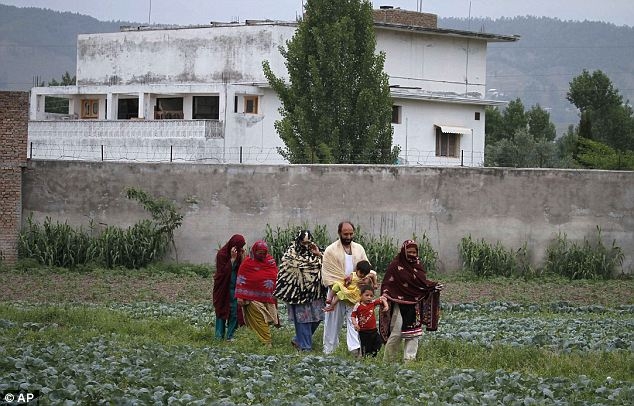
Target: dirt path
(124, 288)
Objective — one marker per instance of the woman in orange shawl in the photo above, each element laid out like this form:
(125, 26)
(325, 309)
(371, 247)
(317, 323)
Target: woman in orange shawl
(255, 286)
(414, 302)
(228, 260)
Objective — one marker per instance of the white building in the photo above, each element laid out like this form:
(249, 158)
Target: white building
(198, 93)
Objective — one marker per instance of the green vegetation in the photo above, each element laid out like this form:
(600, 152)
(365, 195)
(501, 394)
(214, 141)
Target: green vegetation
(593, 154)
(59, 244)
(495, 352)
(588, 260)
(604, 138)
(337, 106)
(483, 259)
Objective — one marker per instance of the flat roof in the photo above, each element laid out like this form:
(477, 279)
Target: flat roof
(483, 36)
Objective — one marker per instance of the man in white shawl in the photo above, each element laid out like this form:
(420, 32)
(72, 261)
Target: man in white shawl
(339, 261)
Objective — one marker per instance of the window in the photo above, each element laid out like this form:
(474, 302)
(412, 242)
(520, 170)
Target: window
(127, 109)
(89, 108)
(447, 144)
(57, 105)
(251, 104)
(168, 108)
(396, 114)
(206, 107)
(477, 116)
(235, 104)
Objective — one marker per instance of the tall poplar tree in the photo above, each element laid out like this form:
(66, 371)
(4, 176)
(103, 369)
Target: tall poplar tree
(336, 107)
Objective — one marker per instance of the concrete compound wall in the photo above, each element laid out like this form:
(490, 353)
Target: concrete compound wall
(513, 206)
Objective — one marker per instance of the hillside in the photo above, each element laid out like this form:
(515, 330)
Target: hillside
(41, 43)
(537, 69)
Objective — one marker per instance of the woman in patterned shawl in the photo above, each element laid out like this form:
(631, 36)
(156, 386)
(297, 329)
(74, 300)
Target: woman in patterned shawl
(414, 301)
(255, 285)
(299, 285)
(228, 314)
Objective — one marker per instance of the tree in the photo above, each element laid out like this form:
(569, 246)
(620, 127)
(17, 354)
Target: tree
(336, 107)
(567, 147)
(58, 105)
(67, 80)
(596, 155)
(514, 117)
(522, 151)
(539, 124)
(593, 92)
(520, 139)
(603, 115)
(504, 125)
(493, 125)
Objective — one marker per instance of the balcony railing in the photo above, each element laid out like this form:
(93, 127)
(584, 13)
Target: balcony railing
(126, 129)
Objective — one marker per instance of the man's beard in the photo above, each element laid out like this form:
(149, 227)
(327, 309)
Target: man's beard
(345, 241)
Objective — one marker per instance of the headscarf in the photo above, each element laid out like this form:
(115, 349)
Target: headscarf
(299, 279)
(405, 280)
(257, 275)
(222, 276)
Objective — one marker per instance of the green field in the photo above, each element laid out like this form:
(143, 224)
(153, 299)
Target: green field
(125, 337)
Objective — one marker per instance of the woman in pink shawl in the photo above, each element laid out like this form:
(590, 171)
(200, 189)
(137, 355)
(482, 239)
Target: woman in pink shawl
(414, 302)
(228, 260)
(255, 287)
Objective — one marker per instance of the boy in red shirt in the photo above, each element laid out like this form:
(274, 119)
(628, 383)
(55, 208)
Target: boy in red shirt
(364, 320)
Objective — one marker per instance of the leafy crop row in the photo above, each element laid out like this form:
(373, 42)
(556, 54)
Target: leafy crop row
(560, 328)
(103, 371)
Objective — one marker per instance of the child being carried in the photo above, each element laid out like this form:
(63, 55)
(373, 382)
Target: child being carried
(348, 289)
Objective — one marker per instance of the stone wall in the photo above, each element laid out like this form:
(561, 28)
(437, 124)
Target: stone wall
(14, 108)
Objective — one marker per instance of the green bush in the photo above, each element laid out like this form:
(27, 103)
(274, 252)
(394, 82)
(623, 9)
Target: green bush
(486, 260)
(587, 260)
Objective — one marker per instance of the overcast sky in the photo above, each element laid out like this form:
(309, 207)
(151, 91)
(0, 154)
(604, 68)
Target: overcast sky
(619, 12)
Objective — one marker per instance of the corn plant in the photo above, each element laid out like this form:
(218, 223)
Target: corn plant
(380, 250)
(57, 244)
(586, 260)
(487, 260)
(428, 256)
(146, 241)
(134, 247)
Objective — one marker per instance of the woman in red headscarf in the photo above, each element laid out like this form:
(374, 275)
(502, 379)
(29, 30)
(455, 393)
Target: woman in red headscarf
(228, 260)
(255, 287)
(414, 302)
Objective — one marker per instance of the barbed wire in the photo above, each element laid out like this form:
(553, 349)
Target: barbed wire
(195, 153)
